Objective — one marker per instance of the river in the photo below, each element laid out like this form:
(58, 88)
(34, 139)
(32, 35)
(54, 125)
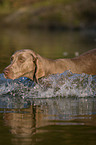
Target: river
(63, 112)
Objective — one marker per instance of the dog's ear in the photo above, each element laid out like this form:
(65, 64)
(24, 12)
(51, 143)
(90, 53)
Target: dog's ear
(39, 69)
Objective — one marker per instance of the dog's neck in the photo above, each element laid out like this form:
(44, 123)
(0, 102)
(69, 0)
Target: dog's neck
(53, 66)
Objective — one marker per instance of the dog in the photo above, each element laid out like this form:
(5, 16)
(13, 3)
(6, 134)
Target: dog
(26, 63)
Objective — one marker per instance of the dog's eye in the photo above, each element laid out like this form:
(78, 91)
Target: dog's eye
(21, 59)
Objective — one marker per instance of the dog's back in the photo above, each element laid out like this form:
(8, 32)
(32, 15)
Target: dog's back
(86, 63)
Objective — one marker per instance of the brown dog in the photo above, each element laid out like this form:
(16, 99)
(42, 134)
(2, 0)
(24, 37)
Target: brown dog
(26, 63)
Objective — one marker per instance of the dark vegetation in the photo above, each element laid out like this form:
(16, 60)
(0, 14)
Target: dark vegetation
(48, 14)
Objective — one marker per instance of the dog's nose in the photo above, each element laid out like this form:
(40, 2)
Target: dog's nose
(6, 71)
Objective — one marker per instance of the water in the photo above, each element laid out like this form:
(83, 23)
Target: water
(58, 85)
(61, 108)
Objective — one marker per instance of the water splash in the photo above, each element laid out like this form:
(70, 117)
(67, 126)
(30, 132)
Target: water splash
(59, 85)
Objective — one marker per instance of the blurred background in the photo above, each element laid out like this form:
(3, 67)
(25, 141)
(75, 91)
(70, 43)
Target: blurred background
(52, 28)
(48, 14)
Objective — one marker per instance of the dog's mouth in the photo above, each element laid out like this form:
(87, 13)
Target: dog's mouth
(8, 77)
(15, 76)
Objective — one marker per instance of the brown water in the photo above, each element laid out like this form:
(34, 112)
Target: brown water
(43, 121)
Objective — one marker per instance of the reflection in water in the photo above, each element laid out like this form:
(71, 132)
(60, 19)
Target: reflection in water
(22, 124)
(27, 124)
(60, 99)
(32, 117)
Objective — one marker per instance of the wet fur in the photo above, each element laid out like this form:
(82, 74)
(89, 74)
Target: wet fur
(26, 63)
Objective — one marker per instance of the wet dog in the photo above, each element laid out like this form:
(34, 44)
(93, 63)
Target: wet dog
(26, 63)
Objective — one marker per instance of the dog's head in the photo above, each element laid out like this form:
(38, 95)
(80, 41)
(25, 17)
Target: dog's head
(25, 63)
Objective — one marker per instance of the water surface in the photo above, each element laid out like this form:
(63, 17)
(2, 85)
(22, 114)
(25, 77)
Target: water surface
(61, 110)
